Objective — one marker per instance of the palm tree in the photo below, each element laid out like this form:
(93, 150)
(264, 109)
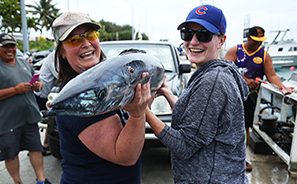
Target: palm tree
(33, 23)
(46, 11)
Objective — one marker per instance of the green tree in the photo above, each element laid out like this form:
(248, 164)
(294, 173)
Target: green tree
(125, 35)
(105, 36)
(116, 32)
(33, 23)
(10, 11)
(46, 12)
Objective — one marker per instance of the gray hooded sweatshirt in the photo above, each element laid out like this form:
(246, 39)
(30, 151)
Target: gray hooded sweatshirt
(207, 134)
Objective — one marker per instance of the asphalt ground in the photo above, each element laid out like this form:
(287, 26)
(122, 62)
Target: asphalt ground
(156, 169)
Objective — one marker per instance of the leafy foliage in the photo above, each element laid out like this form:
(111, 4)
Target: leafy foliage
(10, 11)
(46, 11)
(110, 31)
(42, 16)
(42, 44)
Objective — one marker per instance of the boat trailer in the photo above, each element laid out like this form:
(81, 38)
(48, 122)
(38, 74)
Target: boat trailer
(271, 130)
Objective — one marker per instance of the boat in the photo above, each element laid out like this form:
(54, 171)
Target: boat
(283, 51)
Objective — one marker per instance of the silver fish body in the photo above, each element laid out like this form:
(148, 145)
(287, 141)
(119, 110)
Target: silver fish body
(108, 86)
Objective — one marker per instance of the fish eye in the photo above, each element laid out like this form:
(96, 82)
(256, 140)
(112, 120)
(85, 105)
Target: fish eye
(130, 69)
(101, 94)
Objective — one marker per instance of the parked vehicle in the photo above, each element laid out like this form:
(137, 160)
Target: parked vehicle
(176, 78)
(38, 56)
(24, 55)
(38, 65)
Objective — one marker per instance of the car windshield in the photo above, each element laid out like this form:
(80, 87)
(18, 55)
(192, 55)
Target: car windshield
(52, 48)
(19, 53)
(162, 52)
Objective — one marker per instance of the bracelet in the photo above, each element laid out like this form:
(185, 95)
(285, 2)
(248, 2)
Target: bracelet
(281, 88)
(39, 89)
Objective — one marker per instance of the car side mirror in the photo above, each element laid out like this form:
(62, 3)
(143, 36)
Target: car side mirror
(28, 54)
(184, 68)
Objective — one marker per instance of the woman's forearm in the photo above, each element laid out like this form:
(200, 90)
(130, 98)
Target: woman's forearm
(156, 124)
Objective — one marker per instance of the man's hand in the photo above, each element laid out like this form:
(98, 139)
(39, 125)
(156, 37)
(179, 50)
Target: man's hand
(287, 90)
(251, 83)
(22, 88)
(37, 86)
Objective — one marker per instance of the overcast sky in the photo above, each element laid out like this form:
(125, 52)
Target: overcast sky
(159, 18)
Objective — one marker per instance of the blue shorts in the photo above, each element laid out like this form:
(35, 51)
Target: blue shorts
(26, 137)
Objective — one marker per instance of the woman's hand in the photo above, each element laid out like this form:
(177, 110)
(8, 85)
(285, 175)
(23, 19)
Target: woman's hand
(167, 93)
(142, 95)
(164, 89)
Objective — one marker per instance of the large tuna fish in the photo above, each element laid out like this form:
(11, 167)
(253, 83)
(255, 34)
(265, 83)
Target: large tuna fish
(108, 86)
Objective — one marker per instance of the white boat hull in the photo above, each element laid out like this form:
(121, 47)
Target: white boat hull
(284, 61)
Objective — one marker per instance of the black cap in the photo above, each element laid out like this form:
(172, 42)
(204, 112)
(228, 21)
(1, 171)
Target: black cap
(6, 39)
(257, 33)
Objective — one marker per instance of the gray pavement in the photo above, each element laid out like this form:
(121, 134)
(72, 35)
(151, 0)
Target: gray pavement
(267, 169)
(155, 168)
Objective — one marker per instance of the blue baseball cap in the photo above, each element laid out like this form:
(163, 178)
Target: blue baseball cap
(208, 16)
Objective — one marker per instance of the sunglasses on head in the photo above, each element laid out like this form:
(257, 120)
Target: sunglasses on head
(75, 40)
(201, 35)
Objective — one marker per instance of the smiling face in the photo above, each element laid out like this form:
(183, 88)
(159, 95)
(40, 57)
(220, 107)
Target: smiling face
(86, 55)
(200, 53)
(252, 45)
(8, 52)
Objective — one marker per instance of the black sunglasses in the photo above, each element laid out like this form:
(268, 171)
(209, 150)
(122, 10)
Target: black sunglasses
(202, 35)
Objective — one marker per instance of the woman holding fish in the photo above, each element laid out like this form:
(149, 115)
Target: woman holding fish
(96, 149)
(206, 137)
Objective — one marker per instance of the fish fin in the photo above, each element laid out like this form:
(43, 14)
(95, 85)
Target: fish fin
(48, 113)
(130, 51)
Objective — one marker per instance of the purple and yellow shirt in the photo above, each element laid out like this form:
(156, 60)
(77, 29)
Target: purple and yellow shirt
(250, 65)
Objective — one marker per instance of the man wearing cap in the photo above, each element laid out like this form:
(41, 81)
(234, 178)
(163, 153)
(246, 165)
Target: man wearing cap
(253, 61)
(19, 111)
